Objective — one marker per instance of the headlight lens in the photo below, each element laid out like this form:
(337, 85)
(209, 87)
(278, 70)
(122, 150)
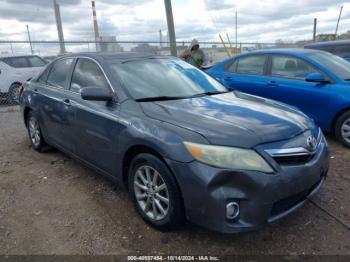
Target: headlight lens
(228, 157)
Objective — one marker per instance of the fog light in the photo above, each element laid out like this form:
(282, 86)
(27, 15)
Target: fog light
(232, 210)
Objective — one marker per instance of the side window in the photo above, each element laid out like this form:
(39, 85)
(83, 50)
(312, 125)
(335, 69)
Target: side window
(253, 65)
(35, 61)
(290, 67)
(43, 77)
(87, 73)
(59, 72)
(17, 62)
(231, 66)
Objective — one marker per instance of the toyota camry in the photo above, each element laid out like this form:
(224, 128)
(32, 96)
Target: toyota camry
(184, 146)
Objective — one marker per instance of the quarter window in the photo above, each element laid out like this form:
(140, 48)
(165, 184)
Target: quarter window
(231, 66)
(60, 72)
(290, 67)
(251, 65)
(87, 73)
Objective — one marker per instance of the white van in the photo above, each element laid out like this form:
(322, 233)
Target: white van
(14, 70)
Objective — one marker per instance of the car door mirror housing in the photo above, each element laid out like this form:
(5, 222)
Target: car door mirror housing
(96, 94)
(316, 78)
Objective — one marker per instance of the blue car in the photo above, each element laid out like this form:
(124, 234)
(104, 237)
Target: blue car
(314, 81)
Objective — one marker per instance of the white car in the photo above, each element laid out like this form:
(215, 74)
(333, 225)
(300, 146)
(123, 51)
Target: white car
(14, 70)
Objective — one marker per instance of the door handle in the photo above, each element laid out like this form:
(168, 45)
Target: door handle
(228, 78)
(66, 102)
(272, 84)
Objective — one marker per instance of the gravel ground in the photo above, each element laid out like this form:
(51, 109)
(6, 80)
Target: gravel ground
(51, 204)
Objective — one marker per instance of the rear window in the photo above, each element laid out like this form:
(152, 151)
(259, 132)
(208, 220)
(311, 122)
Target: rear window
(24, 61)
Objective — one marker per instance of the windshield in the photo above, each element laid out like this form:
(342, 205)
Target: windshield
(339, 66)
(166, 78)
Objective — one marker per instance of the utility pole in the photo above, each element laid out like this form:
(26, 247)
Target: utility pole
(30, 41)
(236, 39)
(171, 29)
(336, 29)
(314, 33)
(59, 27)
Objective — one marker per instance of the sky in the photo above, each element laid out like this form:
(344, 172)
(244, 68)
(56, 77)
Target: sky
(258, 21)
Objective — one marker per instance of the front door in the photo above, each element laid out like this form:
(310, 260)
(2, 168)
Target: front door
(96, 124)
(287, 84)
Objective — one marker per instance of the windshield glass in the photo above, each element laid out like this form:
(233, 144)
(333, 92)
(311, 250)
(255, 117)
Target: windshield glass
(168, 78)
(339, 66)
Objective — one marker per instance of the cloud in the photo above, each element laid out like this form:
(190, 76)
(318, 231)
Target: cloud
(258, 21)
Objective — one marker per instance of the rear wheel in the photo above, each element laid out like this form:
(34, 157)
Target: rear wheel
(35, 136)
(13, 94)
(155, 193)
(342, 129)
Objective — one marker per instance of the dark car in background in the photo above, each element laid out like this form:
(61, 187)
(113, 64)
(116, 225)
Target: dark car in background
(340, 48)
(184, 145)
(314, 81)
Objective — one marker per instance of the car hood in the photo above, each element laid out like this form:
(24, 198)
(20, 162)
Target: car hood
(231, 119)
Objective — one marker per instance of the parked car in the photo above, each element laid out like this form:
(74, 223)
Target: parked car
(14, 70)
(184, 145)
(340, 48)
(316, 82)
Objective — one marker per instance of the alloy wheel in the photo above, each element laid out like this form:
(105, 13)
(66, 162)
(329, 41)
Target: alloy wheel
(34, 131)
(151, 193)
(345, 130)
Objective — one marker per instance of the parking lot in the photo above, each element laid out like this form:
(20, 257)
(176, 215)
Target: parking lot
(51, 204)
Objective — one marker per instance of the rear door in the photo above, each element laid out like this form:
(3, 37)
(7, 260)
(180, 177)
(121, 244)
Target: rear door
(96, 125)
(56, 112)
(246, 74)
(287, 84)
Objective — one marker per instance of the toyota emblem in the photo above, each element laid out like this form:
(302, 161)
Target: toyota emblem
(311, 143)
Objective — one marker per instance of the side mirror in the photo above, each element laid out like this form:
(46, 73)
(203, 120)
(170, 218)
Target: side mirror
(96, 94)
(316, 78)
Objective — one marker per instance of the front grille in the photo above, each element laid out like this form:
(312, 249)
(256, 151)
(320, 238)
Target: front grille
(296, 155)
(288, 202)
(293, 159)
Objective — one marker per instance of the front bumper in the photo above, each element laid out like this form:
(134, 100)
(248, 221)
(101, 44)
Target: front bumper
(262, 198)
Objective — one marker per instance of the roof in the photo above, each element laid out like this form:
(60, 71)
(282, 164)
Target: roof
(285, 51)
(13, 55)
(328, 43)
(122, 56)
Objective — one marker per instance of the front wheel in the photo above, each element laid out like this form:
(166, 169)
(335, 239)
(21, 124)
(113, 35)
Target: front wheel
(155, 193)
(342, 129)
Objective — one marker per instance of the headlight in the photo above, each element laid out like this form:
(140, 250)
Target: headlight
(228, 157)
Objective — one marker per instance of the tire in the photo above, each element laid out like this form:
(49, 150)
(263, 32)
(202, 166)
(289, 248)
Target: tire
(13, 94)
(342, 129)
(34, 132)
(156, 193)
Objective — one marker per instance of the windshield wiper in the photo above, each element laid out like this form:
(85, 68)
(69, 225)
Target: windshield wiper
(159, 98)
(211, 93)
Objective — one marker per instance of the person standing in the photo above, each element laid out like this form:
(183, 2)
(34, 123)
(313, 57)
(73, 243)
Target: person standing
(194, 55)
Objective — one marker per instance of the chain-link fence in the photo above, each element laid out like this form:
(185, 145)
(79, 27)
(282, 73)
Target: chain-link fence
(13, 74)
